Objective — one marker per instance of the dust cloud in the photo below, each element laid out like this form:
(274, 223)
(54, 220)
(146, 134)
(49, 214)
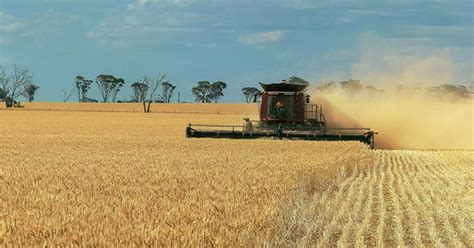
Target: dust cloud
(403, 120)
(405, 93)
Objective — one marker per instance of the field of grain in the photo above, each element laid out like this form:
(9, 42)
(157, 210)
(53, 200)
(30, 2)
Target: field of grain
(405, 198)
(132, 178)
(187, 108)
(103, 178)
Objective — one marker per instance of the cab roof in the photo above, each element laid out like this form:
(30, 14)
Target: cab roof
(293, 84)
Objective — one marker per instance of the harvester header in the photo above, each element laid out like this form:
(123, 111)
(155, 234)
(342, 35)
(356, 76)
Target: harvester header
(285, 112)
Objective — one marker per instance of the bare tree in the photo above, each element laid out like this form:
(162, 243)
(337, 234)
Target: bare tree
(14, 85)
(67, 94)
(152, 87)
(146, 90)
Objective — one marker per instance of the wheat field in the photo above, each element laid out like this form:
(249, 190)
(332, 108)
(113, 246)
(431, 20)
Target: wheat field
(133, 179)
(406, 198)
(189, 108)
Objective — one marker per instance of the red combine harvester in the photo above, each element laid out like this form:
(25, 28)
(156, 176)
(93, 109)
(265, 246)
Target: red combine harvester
(285, 113)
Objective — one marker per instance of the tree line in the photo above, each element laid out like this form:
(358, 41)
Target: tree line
(146, 90)
(158, 89)
(443, 92)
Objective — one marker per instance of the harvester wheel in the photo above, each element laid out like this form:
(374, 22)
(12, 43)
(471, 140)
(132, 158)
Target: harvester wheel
(279, 131)
(248, 126)
(371, 140)
(188, 132)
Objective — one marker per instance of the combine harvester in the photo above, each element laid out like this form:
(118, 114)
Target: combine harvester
(285, 113)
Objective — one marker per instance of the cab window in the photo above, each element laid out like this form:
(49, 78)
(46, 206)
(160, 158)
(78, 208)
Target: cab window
(281, 107)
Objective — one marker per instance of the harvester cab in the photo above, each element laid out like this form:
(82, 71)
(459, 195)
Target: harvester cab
(285, 112)
(288, 105)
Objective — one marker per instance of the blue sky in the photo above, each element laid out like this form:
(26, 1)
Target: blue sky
(240, 42)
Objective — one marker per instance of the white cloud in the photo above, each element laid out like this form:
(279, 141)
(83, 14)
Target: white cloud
(132, 20)
(142, 4)
(9, 23)
(69, 1)
(368, 12)
(263, 38)
(141, 27)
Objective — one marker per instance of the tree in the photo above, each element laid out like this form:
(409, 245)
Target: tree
(217, 90)
(79, 82)
(206, 92)
(139, 91)
(82, 85)
(3, 94)
(328, 87)
(202, 91)
(119, 82)
(4, 82)
(67, 94)
(14, 85)
(30, 91)
(449, 92)
(167, 92)
(109, 86)
(371, 91)
(105, 84)
(352, 87)
(146, 90)
(296, 80)
(251, 94)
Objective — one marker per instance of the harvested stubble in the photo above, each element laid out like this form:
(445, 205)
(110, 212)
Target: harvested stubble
(133, 179)
(406, 198)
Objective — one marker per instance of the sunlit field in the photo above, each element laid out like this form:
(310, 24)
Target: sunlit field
(125, 178)
(190, 108)
(404, 198)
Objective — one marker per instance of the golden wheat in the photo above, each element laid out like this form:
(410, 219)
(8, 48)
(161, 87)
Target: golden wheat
(122, 179)
(190, 108)
(94, 178)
